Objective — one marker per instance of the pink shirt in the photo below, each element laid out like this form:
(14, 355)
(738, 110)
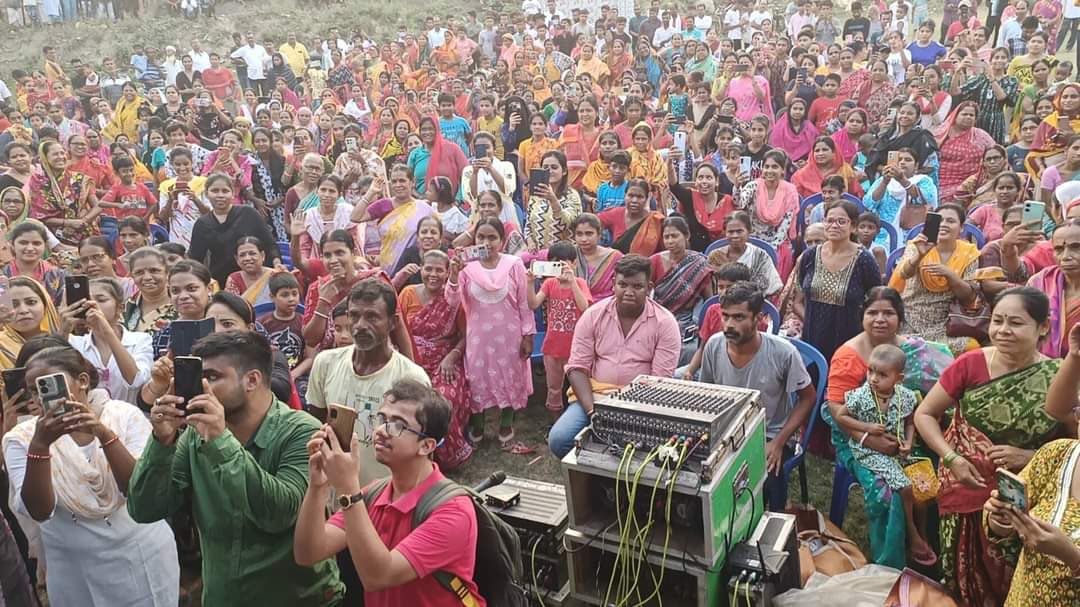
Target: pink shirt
(602, 351)
(446, 541)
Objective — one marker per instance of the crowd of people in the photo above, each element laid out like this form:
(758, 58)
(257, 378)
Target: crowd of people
(401, 230)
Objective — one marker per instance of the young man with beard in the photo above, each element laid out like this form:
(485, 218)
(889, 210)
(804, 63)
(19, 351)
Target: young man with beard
(615, 340)
(357, 376)
(743, 356)
(394, 561)
(240, 456)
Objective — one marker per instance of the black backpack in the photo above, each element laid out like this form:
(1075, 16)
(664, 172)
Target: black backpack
(498, 571)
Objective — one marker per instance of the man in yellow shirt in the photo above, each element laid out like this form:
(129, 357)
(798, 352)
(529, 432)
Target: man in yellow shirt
(295, 53)
(54, 72)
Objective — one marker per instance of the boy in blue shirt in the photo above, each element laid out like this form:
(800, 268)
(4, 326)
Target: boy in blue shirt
(454, 128)
(611, 192)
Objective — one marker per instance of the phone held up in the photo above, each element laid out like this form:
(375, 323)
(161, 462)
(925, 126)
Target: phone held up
(342, 420)
(1012, 489)
(187, 378)
(76, 289)
(53, 392)
(932, 227)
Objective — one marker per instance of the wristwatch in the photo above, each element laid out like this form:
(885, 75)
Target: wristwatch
(348, 501)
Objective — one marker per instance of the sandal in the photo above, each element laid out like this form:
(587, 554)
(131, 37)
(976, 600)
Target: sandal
(505, 439)
(518, 448)
(926, 559)
(474, 438)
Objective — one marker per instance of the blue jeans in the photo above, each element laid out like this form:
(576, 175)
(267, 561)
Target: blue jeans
(561, 436)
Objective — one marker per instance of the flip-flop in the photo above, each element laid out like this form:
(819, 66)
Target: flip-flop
(928, 559)
(518, 448)
(475, 439)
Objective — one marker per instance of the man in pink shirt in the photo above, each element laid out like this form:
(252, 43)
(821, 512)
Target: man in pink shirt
(615, 340)
(395, 562)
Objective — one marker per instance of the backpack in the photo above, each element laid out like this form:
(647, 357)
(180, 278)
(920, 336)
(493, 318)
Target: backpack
(498, 570)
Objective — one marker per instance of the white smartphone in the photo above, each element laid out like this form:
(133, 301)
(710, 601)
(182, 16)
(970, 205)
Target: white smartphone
(53, 392)
(542, 269)
(745, 163)
(351, 145)
(680, 141)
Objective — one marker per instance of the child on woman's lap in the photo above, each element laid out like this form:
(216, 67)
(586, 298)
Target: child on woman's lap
(883, 408)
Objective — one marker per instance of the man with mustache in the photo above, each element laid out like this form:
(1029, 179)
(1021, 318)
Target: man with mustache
(615, 340)
(357, 376)
(743, 356)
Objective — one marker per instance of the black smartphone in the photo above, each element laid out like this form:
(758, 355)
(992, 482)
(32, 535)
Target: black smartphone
(659, 115)
(184, 334)
(187, 377)
(76, 289)
(726, 119)
(481, 150)
(14, 380)
(538, 177)
(932, 227)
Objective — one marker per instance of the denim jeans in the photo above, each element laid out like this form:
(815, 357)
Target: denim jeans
(561, 436)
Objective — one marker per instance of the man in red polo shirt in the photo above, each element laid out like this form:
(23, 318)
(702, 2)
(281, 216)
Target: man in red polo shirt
(395, 562)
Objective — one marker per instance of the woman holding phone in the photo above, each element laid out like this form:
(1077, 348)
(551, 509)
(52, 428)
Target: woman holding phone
(69, 471)
(900, 196)
(997, 395)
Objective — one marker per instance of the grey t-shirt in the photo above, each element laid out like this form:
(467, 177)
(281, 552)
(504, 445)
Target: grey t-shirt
(776, 370)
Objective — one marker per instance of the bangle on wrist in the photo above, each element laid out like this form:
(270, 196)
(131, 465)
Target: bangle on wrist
(325, 317)
(112, 440)
(949, 458)
(38, 456)
(863, 438)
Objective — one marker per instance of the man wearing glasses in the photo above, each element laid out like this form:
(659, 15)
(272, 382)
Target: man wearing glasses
(394, 561)
(357, 376)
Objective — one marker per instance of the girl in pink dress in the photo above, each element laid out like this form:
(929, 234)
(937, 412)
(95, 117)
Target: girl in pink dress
(499, 329)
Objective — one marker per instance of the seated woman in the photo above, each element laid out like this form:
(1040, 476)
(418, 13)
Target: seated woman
(681, 279)
(490, 204)
(900, 196)
(978, 189)
(824, 162)
(1051, 137)
(595, 264)
(634, 227)
(16, 208)
(1007, 253)
(70, 473)
(997, 397)
(772, 203)
(933, 275)
(762, 270)
(1059, 282)
(700, 202)
(882, 317)
(28, 242)
(252, 280)
(990, 218)
(429, 237)
(122, 358)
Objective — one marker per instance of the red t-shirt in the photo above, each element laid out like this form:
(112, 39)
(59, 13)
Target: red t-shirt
(562, 316)
(137, 200)
(445, 541)
(822, 110)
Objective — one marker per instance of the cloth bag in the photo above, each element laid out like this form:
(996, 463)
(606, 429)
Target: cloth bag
(913, 589)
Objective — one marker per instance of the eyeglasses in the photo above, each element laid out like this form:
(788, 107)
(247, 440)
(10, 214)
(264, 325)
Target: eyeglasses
(842, 221)
(394, 427)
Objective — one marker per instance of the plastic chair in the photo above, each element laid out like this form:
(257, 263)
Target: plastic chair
(761, 244)
(815, 199)
(890, 263)
(158, 234)
(811, 358)
(970, 232)
(263, 308)
(286, 254)
(894, 238)
(769, 309)
(841, 487)
(715, 299)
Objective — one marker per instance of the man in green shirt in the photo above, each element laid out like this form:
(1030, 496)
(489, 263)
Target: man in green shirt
(242, 457)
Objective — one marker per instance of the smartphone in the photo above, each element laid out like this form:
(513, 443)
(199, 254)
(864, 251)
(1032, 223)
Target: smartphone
(802, 73)
(5, 295)
(481, 150)
(473, 253)
(14, 380)
(947, 64)
(53, 391)
(1033, 214)
(739, 69)
(932, 227)
(187, 377)
(726, 119)
(892, 114)
(76, 289)
(537, 177)
(745, 164)
(659, 115)
(186, 332)
(351, 145)
(542, 269)
(342, 419)
(680, 141)
(894, 159)
(180, 185)
(1012, 489)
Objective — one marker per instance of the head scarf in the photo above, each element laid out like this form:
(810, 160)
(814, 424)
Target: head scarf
(11, 341)
(942, 132)
(393, 147)
(797, 142)
(26, 204)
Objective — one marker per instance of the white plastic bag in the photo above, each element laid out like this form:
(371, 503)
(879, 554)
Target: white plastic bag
(867, 586)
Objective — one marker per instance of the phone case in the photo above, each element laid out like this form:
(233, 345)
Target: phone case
(342, 420)
(1012, 490)
(547, 268)
(76, 289)
(187, 378)
(53, 391)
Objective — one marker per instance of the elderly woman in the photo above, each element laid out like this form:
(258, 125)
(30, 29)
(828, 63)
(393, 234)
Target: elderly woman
(961, 146)
(997, 395)
(933, 275)
(882, 316)
(762, 270)
(1059, 282)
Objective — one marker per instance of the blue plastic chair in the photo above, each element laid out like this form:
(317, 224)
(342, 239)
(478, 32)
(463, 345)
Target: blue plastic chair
(754, 241)
(894, 238)
(807, 203)
(811, 358)
(891, 261)
(970, 232)
(263, 308)
(158, 234)
(286, 254)
(769, 309)
(842, 483)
